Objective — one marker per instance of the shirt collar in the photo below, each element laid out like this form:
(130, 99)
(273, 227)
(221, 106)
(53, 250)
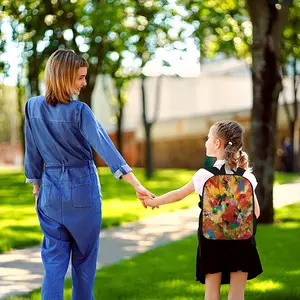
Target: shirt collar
(219, 163)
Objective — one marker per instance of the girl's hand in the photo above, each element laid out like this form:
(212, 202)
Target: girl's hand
(150, 202)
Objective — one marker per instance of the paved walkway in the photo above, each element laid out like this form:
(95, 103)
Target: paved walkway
(21, 270)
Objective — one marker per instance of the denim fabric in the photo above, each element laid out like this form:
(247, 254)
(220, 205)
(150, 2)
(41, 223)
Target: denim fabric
(64, 135)
(58, 157)
(69, 211)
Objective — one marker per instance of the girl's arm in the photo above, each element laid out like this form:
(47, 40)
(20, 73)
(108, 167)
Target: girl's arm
(172, 196)
(256, 207)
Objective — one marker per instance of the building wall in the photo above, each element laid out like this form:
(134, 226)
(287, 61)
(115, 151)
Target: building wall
(181, 143)
(188, 107)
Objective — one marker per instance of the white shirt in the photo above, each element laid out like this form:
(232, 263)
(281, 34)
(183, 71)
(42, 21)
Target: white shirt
(202, 175)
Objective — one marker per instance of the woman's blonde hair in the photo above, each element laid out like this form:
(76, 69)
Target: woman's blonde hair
(231, 133)
(60, 75)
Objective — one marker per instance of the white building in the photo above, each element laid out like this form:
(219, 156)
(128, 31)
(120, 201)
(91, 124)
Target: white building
(223, 89)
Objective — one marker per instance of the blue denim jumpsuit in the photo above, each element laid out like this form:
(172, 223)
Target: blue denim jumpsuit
(58, 157)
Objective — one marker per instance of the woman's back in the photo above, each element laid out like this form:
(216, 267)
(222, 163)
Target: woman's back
(57, 133)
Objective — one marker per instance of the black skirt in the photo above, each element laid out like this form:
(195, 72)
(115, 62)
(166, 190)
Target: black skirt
(226, 256)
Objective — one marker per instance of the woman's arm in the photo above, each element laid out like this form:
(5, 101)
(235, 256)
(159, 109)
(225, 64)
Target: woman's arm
(132, 180)
(172, 196)
(141, 192)
(33, 162)
(98, 138)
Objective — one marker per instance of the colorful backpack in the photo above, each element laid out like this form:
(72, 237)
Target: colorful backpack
(227, 206)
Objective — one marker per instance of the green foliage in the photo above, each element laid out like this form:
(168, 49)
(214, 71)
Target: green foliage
(225, 27)
(99, 30)
(291, 36)
(220, 27)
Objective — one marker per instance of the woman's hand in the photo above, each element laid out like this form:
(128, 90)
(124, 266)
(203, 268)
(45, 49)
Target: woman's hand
(35, 193)
(142, 193)
(36, 198)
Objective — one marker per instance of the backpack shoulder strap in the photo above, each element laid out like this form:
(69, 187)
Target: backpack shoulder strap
(213, 170)
(239, 171)
(217, 171)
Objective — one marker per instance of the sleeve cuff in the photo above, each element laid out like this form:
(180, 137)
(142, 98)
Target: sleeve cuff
(123, 170)
(34, 181)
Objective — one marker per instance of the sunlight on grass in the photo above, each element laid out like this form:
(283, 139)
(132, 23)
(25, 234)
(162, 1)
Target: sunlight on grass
(168, 272)
(265, 286)
(18, 218)
(19, 225)
(282, 178)
(294, 272)
(172, 284)
(290, 225)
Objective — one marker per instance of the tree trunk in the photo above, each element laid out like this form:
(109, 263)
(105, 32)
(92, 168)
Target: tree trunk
(297, 146)
(22, 119)
(86, 93)
(33, 74)
(295, 154)
(148, 153)
(120, 120)
(268, 23)
(147, 127)
(93, 71)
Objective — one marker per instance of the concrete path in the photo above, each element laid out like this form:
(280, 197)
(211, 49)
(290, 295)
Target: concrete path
(22, 271)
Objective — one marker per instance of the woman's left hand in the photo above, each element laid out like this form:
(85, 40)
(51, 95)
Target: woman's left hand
(142, 193)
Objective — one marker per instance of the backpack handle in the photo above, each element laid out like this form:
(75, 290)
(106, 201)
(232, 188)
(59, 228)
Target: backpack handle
(222, 171)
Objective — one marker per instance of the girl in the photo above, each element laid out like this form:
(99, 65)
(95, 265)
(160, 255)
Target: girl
(59, 135)
(218, 261)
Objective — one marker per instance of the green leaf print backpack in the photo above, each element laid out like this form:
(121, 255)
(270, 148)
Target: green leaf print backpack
(227, 206)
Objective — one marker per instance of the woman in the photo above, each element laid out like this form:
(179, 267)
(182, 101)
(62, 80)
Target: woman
(60, 133)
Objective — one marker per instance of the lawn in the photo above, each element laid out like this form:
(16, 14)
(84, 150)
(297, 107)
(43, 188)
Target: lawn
(168, 272)
(282, 178)
(19, 225)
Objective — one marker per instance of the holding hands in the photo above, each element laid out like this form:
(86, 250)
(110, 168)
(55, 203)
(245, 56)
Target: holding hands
(149, 201)
(145, 196)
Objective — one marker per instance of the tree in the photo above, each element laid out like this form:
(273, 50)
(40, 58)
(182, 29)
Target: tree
(291, 56)
(220, 27)
(40, 27)
(93, 29)
(4, 66)
(268, 19)
(224, 27)
(115, 68)
(151, 24)
(44, 26)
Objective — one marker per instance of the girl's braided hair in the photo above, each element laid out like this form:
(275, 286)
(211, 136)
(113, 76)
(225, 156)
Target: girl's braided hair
(231, 133)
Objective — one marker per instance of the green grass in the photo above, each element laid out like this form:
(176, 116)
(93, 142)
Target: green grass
(168, 272)
(19, 224)
(282, 178)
